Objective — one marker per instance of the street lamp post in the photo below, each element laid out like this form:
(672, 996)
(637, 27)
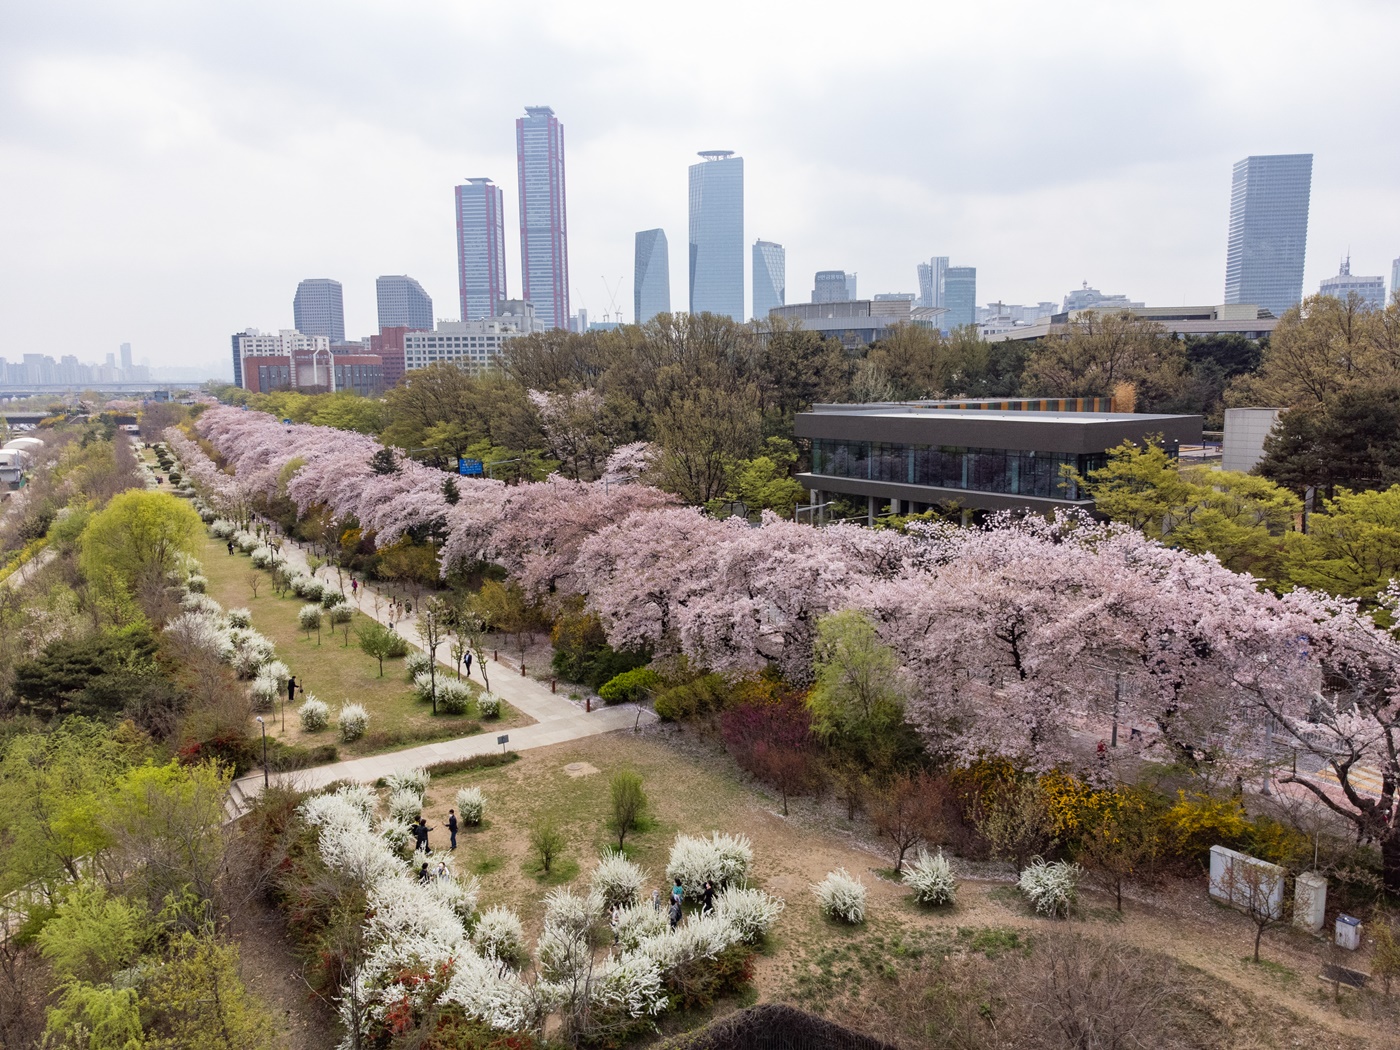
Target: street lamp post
(263, 726)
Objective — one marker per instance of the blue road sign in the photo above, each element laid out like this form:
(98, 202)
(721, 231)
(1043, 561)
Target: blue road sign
(472, 467)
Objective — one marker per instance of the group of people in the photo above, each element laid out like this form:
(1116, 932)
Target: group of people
(675, 913)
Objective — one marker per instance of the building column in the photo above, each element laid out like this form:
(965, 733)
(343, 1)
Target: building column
(870, 512)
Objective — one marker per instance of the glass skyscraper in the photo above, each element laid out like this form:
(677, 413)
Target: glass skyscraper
(651, 276)
(959, 296)
(481, 249)
(544, 234)
(717, 234)
(1268, 231)
(769, 277)
(403, 303)
(319, 309)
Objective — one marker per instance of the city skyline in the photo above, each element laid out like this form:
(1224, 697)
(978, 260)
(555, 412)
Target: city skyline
(212, 162)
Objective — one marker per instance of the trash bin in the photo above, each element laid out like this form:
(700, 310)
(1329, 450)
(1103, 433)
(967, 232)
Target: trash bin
(1348, 932)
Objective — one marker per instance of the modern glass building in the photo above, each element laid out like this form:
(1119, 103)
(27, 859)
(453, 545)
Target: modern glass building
(1268, 231)
(651, 276)
(717, 234)
(319, 309)
(913, 456)
(403, 303)
(544, 233)
(1370, 289)
(959, 296)
(769, 277)
(481, 248)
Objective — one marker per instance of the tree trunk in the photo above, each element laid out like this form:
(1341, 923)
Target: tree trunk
(1390, 860)
(1258, 936)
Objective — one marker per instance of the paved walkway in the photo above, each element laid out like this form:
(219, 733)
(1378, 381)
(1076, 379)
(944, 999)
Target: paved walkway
(557, 719)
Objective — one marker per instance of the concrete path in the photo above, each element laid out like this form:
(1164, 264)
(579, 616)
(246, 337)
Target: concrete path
(557, 719)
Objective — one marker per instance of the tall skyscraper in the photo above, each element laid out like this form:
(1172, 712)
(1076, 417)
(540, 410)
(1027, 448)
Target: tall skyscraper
(1268, 231)
(403, 303)
(833, 286)
(959, 296)
(126, 358)
(1394, 278)
(481, 248)
(717, 234)
(651, 276)
(1370, 289)
(319, 309)
(769, 277)
(925, 285)
(544, 234)
(932, 276)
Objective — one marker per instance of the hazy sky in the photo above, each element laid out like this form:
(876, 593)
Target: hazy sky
(170, 170)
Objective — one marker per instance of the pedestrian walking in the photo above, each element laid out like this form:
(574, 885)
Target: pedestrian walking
(292, 689)
(354, 587)
(707, 898)
(452, 826)
(675, 913)
(230, 547)
(407, 607)
(677, 892)
(468, 659)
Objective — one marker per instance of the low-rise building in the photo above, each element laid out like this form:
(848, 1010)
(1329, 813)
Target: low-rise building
(1252, 322)
(1370, 289)
(910, 457)
(290, 360)
(859, 322)
(472, 344)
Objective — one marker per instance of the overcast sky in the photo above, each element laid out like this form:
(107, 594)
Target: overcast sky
(170, 170)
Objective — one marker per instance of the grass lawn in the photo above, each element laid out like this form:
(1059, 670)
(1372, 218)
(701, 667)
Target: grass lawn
(334, 672)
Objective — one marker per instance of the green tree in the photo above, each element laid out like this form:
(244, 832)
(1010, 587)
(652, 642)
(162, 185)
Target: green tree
(857, 701)
(377, 641)
(704, 426)
(1352, 549)
(138, 538)
(196, 998)
(765, 482)
(93, 934)
(1351, 439)
(1098, 352)
(348, 411)
(629, 804)
(95, 1017)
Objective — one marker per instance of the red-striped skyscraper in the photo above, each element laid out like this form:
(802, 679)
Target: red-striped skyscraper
(544, 235)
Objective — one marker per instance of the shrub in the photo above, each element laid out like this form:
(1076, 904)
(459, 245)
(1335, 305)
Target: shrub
(471, 805)
(489, 704)
(616, 879)
(752, 913)
(240, 618)
(453, 696)
(262, 557)
(197, 583)
(264, 691)
(841, 896)
(340, 614)
(353, 722)
(309, 618)
(704, 695)
(547, 842)
(416, 664)
(331, 598)
(251, 652)
(931, 879)
(630, 687)
(499, 932)
(221, 529)
(278, 670)
(629, 804)
(405, 804)
(1051, 888)
(638, 923)
(397, 647)
(314, 715)
(246, 542)
(722, 860)
(415, 780)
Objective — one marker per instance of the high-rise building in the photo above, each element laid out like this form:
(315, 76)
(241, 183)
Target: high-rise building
(651, 276)
(1268, 231)
(126, 360)
(959, 296)
(717, 234)
(1394, 278)
(403, 303)
(544, 234)
(1370, 289)
(769, 277)
(834, 286)
(925, 285)
(319, 309)
(932, 276)
(481, 248)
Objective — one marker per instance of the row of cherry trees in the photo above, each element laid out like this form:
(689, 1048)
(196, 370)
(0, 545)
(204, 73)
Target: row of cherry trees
(1026, 639)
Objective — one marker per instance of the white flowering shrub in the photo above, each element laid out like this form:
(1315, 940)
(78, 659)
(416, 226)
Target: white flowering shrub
(197, 583)
(416, 779)
(721, 859)
(499, 934)
(637, 923)
(308, 587)
(340, 614)
(471, 805)
(841, 896)
(416, 664)
(278, 670)
(931, 879)
(1051, 888)
(201, 603)
(331, 597)
(750, 912)
(251, 651)
(221, 528)
(314, 715)
(246, 542)
(352, 722)
(262, 557)
(264, 692)
(405, 804)
(309, 617)
(453, 696)
(616, 879)
(488, 704)
(201, 629)
(240, 618)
